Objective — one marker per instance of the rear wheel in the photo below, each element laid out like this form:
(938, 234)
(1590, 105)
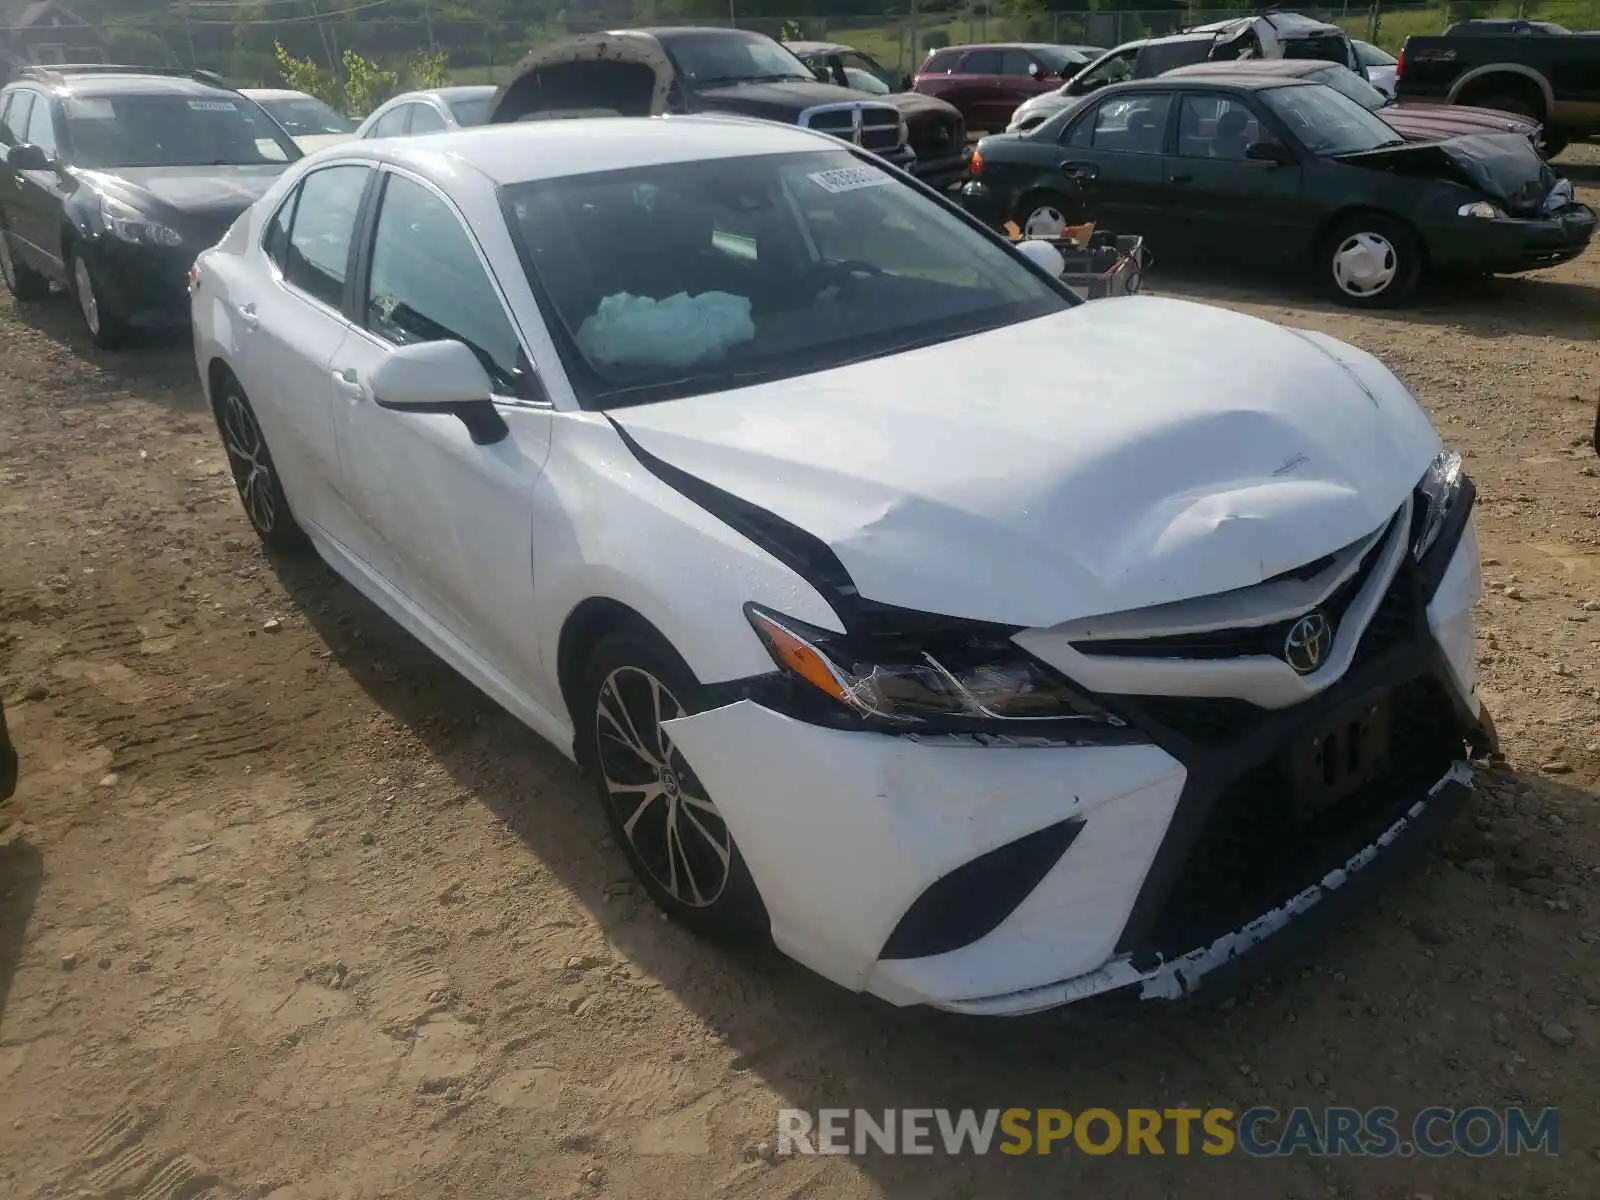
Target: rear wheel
(1371, 261)
(24, 283)
(107, 325)
(254, 473)
(661, 815)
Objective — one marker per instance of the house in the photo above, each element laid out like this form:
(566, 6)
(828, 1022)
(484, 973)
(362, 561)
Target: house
(46, 31)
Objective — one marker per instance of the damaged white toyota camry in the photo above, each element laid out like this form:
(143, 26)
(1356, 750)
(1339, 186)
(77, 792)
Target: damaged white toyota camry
(983, 648)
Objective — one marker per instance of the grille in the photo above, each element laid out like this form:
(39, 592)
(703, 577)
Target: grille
(1253, 854)
(879, 128)
(934, 137)
(1239, 642)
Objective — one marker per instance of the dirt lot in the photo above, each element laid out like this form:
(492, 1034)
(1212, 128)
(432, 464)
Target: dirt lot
(286, 909)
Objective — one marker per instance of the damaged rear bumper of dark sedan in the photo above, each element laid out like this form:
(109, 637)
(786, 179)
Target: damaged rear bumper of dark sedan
(1507, 245)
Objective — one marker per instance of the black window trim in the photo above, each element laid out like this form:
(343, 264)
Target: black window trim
(340, 312)
(31, 95)
(361, 270)
(58, 151)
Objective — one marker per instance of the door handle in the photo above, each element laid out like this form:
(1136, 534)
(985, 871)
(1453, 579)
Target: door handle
(1184, 178)
(348, 381)
(249, 317)
(1079, 170)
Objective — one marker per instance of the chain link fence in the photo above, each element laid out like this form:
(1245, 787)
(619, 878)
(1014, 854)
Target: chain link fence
(487, 52)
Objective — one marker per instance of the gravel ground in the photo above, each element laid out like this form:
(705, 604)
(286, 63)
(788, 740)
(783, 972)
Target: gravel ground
(287, 909)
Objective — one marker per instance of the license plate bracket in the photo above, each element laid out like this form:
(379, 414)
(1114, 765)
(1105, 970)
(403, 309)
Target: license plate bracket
(1342, 756)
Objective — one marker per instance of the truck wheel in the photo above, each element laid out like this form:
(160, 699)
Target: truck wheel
(22, 281)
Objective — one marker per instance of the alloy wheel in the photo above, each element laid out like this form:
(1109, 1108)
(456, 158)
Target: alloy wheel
(252, 472)
(673, 827)
(1365, 264)
(88, 302)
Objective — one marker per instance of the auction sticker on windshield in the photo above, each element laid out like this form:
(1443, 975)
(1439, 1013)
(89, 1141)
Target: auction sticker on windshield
(848, 179)
(212, 106)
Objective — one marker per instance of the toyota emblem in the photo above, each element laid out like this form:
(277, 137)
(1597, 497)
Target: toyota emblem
(1310, 638)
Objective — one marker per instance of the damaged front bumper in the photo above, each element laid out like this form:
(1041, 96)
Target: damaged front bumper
(1508, 245)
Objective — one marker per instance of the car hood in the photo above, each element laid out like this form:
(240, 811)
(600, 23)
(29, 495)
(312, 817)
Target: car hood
(1044, 104)
(310, 143)
(1128, 452)
(1431, 122)
(1503, 167)
(914, 106)
(188, 191)
(756, 99)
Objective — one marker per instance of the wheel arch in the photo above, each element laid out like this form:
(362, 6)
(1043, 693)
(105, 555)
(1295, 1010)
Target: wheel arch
(590, 621)
(1505, 77)
(1325, 230)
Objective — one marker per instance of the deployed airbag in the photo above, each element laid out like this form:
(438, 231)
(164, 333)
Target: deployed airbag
(678, 331)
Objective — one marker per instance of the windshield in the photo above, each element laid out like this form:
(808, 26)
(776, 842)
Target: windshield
(865, 75)
(1373, 56)
(1348, 83)
(306, 116)
(708, 59)
(1328, 122)
(695, 277)
(151, 129)
(472, 110)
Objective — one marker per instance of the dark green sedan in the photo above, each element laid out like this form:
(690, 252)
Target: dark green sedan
(1281, 171)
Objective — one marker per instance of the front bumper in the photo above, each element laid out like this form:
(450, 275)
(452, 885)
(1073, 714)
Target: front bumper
(147, 285)
(1509, 245)
(849, 835)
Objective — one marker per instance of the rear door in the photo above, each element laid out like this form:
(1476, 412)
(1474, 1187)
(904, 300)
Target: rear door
(975, 90)
(1245, 208)
(1114, 151)
(287, 332)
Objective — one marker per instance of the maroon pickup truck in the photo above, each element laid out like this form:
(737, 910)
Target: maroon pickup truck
(988, 82)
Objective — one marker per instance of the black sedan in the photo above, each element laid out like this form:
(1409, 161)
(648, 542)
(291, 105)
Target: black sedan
(1281, 171)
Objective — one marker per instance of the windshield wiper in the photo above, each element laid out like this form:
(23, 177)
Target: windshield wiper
(690, 385)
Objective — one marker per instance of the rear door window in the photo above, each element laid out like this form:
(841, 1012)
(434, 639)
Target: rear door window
(42, 127)
(16, 122)
(317, 258)
(982, 62)
(1133, 123)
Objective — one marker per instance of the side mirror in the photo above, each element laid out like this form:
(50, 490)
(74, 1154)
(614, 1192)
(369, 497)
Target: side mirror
(28, 157)
(1044, 256)
(440, 377)
(1271, 152)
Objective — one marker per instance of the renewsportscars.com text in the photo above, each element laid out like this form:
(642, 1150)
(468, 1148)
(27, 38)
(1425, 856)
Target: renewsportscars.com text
(1434, 1132)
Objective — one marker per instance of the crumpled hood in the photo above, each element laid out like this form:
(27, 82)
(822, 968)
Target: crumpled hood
(1125, 453)
(190, 191)
(1504, 167)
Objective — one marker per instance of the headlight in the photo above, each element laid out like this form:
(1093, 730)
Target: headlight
(1437, 494)
(1480, 208)
(965, 680)
(128, 224)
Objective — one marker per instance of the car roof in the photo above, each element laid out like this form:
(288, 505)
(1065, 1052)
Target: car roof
(1012, 46)
(524, 151)
(275, 94)
(465, 91)
(1287, 68)
(131, 83)
(1237, 81)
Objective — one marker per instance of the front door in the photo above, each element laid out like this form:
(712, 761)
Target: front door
(455, 518)
(975, 90)
(1240, 207)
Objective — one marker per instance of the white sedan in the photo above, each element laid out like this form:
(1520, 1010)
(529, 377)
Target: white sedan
(980, 647)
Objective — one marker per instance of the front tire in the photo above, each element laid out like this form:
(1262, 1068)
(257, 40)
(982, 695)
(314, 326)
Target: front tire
(254, 473)
(107, 325)
(25, 284)
(1371, 261)
(669, 829)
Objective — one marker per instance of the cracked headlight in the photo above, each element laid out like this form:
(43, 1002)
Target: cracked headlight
(1480, 208)
(128, 224)
(1437, 493)
(969, 680)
